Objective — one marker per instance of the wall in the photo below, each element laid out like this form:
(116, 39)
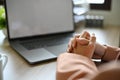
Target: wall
(110, 17)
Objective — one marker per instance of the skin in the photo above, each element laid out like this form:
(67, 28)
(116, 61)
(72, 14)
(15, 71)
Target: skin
(85, 44)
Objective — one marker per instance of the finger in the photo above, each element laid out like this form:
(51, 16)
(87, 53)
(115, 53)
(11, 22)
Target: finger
(70, 45)
(93, 38)
(70, 42)
(76, 35)
(69, 50)
(82, 41)
(74, 42)
(85, 34)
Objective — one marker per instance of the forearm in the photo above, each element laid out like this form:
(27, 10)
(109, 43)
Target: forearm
(111, 53)
(99, 51)
(106, 52)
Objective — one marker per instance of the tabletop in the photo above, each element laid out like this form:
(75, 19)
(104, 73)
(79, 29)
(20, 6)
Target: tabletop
(18, 69)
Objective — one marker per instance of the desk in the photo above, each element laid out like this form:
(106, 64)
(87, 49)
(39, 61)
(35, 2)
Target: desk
(18, 69)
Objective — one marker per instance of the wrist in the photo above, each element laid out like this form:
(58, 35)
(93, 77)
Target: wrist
(111, 53)
(100, 50)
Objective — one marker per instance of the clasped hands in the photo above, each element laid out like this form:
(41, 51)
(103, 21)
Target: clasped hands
(82, 44)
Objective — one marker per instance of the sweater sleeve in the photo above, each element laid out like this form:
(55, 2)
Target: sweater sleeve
(73, 67)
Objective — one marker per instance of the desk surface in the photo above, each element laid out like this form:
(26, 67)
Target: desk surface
(18, 69)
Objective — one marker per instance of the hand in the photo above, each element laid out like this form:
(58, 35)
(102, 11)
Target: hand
(72, 43)
(99, 49)
(83, 45)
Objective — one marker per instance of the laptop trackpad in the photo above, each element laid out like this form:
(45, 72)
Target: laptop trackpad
(58, 49)
(38, 55)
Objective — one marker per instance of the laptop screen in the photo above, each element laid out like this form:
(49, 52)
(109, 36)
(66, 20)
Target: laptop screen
(38, 17)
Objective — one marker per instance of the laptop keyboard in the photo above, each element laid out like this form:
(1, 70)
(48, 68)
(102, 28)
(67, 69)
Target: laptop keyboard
(45, 42)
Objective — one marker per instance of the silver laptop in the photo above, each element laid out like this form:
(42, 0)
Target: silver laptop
(39, 30)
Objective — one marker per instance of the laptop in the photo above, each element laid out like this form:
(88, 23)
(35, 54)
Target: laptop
(39, 30)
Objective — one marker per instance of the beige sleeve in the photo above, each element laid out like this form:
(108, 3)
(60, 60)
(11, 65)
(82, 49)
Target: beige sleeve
(108, 71)
(73, 67)
(111, 53)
